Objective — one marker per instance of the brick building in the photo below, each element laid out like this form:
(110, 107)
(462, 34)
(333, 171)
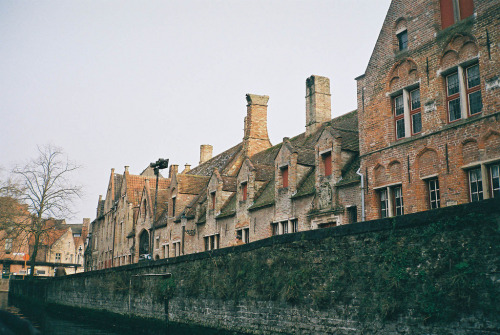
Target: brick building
(429, 107)
(425, 135)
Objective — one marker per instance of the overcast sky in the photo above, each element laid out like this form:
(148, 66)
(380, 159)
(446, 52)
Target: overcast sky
(121, 82)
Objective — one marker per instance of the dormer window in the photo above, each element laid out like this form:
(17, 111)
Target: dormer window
(403, 40)
(244, 191)
(212, 200)
(284, 176)
(327, 163)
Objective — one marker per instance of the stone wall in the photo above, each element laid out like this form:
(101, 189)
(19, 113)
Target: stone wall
(433, 272)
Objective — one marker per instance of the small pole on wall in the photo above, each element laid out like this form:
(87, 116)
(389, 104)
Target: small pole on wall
(160, 164)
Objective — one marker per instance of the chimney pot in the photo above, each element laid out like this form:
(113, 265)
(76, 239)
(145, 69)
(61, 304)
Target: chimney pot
(187, 168)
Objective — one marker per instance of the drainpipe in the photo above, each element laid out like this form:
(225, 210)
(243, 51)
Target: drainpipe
(362, 194)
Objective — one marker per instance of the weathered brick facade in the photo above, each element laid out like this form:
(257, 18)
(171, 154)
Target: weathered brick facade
(428, 137)
(453, 136)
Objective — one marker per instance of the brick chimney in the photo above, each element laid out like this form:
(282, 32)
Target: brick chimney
(256, 138)
(187, 168)
(318, 103)
(85, 227)
(205, 152)
(173, 170)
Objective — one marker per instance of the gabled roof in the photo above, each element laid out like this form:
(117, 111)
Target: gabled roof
(219, 162)
(228, 184)
(135, 185)
(265, 196)
(306, 186)
(229, 207)
(191, 184)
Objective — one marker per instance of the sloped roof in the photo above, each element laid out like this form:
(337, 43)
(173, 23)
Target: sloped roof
(265, 196)
(150, 172)
(135, 185)
(191, 184)
(229, 208)
(229, 183)
(349, 174)
(263, 172)
(306, 186)
(220, 162)
(76, 227)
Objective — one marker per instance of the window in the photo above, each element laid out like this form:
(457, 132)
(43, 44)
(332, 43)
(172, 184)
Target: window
(453, 11)
(434, 198)
(399, 116)
(284, 176)
(295, 226)
(8, 245)
(211, 242)
(453, 97)
(475, 185)
(327, 162)
(391, 201)
(470, 80)
(284, 227)
(157, 242)
(384, 204)
(166, 251)
(173, 205)
(398, 199)
(58, 257)
(403, 40)
(212, 200)
(246, 235)
(239, 234)
(244, 191)
(177, 249)
(274, 229)
(474, 89)
(416, 116)
(407, 112)
(495, 180)
(352, 212)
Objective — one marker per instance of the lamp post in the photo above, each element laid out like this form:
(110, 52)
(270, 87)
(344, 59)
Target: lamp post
(160, 164)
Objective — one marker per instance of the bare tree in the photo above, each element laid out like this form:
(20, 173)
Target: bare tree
(47, 192)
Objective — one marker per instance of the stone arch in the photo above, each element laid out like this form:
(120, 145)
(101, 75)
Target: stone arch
(379, 173)
(395, 171)
(403, 74)
(427, 162)
(470, 151)
(491, 144)
(459, 48)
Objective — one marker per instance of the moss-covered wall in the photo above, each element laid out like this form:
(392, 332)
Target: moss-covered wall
(431, 272)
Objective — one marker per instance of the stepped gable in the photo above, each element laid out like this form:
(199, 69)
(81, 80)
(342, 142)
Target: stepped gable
(117, 183)
(220, 162)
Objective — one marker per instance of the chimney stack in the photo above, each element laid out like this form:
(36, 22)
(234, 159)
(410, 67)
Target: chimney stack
(126, 168)
(205, 152)
(173, 170)
(256, 138)
(187, 168)
(318, 103)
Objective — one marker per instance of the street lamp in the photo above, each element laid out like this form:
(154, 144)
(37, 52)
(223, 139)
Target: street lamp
(160, 164)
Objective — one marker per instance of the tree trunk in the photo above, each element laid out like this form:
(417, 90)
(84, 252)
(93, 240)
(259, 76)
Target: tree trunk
(33, 256)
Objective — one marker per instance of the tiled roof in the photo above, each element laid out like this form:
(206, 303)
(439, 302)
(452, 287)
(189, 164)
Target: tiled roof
(265, 196)
(264, 172)
(349, 174)
(266, 157)
(135, 185)
(229, 208)
(220, 162)
(229, 184)
(306, 156)
(306, 186)
(191, 184)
